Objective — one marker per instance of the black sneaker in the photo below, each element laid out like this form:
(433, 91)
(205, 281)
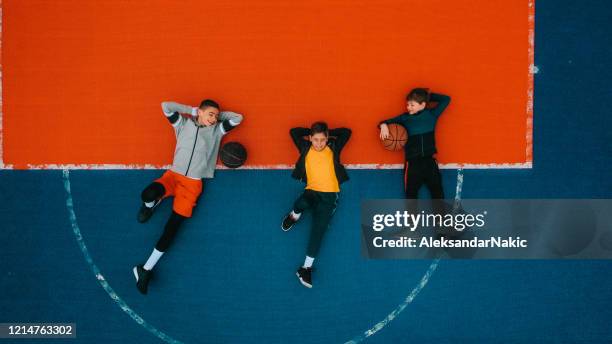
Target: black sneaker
(142, 278)
(305, 276)
(145, 213)
(288, 222)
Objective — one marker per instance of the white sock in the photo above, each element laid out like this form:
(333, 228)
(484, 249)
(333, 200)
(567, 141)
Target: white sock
(295, 216)
(308, 262)
(149, 204)
(153, 258)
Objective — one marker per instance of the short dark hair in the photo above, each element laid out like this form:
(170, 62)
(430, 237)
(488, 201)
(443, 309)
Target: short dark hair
(419, 95)
(319, 127)
(209, 103)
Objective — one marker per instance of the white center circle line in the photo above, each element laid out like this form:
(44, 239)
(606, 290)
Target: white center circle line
(168, 339)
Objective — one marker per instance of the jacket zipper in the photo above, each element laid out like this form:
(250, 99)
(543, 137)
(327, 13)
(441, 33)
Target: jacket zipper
(192, 150)
(422, 150)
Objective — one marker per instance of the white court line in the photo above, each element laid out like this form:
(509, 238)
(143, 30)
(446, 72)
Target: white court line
(1, 81)
(109, 290)
(161, 335)
(533, 69)
(449, 166)
(416, 290)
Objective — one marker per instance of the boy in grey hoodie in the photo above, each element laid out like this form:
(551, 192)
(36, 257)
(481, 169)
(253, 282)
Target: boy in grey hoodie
(198, 133)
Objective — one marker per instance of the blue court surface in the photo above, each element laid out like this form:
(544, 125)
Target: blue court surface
(70, 239)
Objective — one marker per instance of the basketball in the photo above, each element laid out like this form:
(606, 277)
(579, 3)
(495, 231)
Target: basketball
(397, 137)
(233, 154)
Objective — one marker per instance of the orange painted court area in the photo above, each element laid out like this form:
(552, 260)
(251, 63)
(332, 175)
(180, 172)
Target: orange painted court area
(83, 80)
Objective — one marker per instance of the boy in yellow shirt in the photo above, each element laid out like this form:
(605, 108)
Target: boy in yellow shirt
(320, 168)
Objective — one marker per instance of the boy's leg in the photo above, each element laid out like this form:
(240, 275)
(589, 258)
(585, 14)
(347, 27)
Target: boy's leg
(143, 272)
(306, 200)
(167, 237)
(321, 217)
(413, 178)
(433, 179)
(187, 193)
(153, 194)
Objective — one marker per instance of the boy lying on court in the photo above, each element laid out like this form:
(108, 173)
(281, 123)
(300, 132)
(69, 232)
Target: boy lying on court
(320, 168)
(420, 166)
(198, 133)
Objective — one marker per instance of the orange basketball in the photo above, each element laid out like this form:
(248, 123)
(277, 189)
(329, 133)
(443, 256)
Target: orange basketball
(397, 137)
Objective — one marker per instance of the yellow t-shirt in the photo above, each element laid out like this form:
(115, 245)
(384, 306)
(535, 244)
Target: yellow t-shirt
(320, 171)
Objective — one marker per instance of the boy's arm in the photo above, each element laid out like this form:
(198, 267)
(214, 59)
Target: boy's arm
(342, 136)
(297, 135)
(173, 112)
(229, 120)
(382, 125)
(442, 100)
(396, 119)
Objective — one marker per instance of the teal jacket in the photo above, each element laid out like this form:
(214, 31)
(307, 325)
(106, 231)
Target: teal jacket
(421, 127)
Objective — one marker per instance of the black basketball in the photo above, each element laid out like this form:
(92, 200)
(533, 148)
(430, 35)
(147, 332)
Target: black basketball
(233, 154)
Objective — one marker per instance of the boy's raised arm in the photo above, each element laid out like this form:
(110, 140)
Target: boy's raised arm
(297, 135)
(396, 119)
(442, 100)
(229, 120)
(382, 125)
(173, 112)
(342, 136)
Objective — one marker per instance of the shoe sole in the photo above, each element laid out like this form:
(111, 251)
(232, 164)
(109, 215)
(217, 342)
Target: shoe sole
(302, 281)
(287, 230)
(135, 273)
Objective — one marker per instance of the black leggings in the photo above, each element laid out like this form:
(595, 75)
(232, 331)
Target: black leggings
(323, 205)
(170, 231)
(154, 192)
(423, 171)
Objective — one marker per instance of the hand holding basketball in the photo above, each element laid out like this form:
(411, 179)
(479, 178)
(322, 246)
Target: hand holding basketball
(384, 131)
(395, 136)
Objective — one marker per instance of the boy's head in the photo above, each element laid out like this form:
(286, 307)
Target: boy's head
(208, 112)
(318, 135)
(417, 100)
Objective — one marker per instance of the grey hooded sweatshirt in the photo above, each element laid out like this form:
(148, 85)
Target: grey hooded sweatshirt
(197, 146)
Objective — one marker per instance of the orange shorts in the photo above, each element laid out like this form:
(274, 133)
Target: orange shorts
(185, 191)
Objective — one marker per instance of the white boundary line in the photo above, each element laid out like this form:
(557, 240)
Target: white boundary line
(161, 335)
(533, 69)
(1, 103)
(451, 166)
(98, 274)
(416, 290)
(526, 165)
